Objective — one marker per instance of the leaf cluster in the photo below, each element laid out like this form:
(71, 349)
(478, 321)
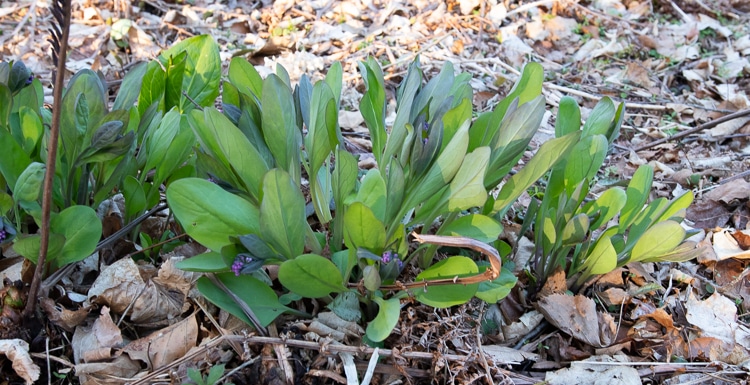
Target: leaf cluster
(348, 246)
(135, 149)
(593, 237)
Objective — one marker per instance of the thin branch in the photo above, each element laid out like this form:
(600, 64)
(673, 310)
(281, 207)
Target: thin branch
(704, 126)
(490, 274)
(59, 8)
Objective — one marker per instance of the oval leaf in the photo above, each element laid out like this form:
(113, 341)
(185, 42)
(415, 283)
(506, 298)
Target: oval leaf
(311, 276)
(380, 327)
(447, 295)
(81, 228)
(658, 240)
(210, 262)
(282, 214)
(209, 214)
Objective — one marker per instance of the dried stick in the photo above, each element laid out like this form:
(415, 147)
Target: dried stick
(491, 274)
(704, 126)
(60, 32)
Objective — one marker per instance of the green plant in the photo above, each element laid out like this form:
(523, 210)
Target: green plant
(594, 237)
(349, 245)
(133, 149)
(212, 378)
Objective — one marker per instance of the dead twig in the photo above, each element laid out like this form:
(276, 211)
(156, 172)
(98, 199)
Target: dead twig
(60, 32)
(491, 274)
(704, 126)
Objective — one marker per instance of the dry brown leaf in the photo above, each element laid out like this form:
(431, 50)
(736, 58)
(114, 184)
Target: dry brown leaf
(715, 316)
(159, 298)
(577, 316)
(17, 351)
(164, 346)
(508, 355)
(103, 335)
(725, 245)
(707, 349)
(62, 317)
(584, 372)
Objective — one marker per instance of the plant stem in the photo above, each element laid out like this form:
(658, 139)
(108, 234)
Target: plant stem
(61, 11)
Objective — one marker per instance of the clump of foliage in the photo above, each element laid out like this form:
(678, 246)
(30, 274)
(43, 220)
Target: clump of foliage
(131, 148)
(235, 178)
(350, 245)
(587, 238)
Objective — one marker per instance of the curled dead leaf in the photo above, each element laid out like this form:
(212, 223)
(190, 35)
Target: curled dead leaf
(577, 316)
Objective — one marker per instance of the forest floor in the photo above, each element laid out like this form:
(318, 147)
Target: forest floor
(677, 65)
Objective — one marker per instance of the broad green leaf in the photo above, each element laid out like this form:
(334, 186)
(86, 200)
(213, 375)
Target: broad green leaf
(202, 72)
(512, 138)
(346, 306)
(382, 326)
(603, 258)
(443, 170)
(372, 106)
(13, 160)
(29, 246)
(476, 226)
(159, 139)
(175, 67)
(209, 214)
(343, 181)
(549, 233)
(395, 190)
(321, 195)
(568, 117)
(334, 78)
(32, 129)
(585, 160)
(575, 230)
(658, 240)
(152, 88)
(454, 119)
(282, 214)
(528, 87)
(107, 144)
(318, 143)
(647, 217)
(6, 105)
(677, 205)
(208, 262)
(180, 148)
(28, 188)
(81, 228)
(547, 155)
(600, 118)
(134, 195)
(258, 296)
(637, 193)
(609, 204)
(492, 292)
(245, 77)
(224, 142)
(363, 229)
(311, 276)
(130, 87)
(442, 296)
(435, 92)
(405, 98)
(280, 125)
(302, 100)
(684, 252)
(372, 193)
(467, 187)
(83, 107)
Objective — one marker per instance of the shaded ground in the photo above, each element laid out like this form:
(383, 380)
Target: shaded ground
(678, 65)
